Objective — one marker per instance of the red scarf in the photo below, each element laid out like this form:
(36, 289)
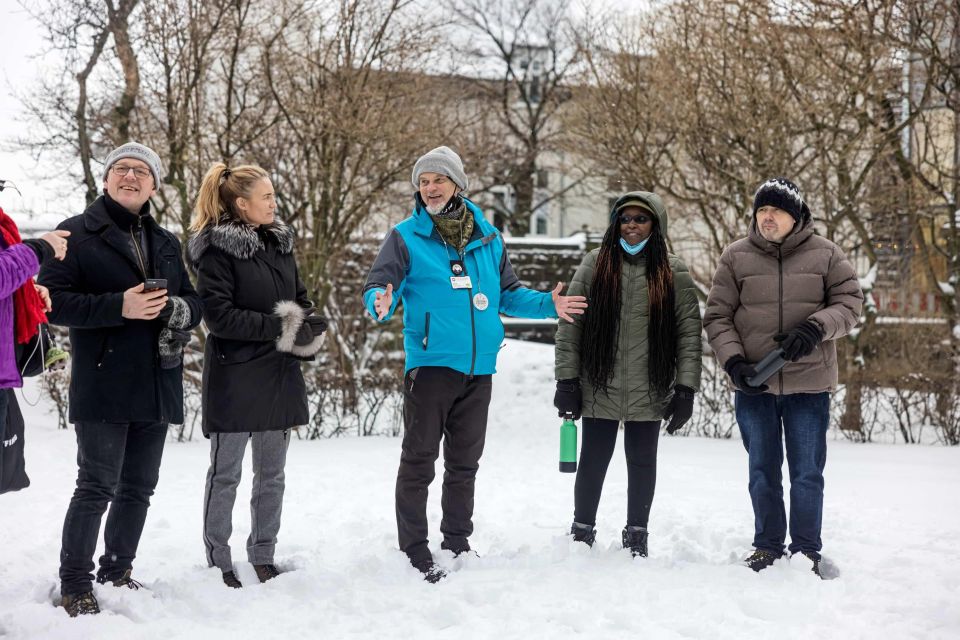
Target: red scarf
(27, 305)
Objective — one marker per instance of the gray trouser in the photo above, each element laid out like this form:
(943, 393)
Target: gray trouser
(266, 501)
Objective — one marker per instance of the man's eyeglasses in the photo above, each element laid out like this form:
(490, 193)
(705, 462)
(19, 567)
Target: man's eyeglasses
(121, 171)
(639, 219)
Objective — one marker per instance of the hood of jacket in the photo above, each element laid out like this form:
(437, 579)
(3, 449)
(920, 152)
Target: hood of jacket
(651, 200)
(238, 239)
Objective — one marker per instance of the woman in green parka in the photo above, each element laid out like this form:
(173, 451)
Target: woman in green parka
(633, 357)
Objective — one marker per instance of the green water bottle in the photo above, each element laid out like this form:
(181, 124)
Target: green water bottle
(568, 446)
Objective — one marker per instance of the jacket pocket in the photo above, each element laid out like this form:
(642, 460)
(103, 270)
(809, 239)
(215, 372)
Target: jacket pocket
(426, 330)
(104, 351)
(241, 351)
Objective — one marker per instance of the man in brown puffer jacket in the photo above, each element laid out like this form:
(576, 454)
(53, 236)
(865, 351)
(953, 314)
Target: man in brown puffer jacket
(783, 286)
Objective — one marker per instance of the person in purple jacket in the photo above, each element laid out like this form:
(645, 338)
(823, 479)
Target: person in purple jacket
(22, 307)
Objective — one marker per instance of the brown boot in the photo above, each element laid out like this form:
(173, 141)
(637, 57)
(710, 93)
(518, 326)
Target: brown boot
(80, 604)
(266, 571)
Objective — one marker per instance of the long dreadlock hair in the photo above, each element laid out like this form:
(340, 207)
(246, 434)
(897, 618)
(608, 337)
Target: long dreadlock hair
(601, 327)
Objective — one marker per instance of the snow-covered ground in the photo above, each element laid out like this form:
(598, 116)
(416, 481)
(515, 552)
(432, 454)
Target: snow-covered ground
(892, 524)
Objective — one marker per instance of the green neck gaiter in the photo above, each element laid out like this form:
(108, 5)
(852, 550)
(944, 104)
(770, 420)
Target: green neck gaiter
(456, 231)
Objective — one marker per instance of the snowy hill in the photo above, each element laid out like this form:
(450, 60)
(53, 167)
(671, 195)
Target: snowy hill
(891, 522)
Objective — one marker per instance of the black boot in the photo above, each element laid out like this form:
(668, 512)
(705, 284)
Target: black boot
(432, 572)
(230, 579)
(459, 549)
(119, 580)
(760, 559)
(635, 539)
(583, 533)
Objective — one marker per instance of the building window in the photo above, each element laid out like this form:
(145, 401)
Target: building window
(543, 178)
(540, 222)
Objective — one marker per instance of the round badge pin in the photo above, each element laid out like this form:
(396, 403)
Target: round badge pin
(457, 268)
(480, 301)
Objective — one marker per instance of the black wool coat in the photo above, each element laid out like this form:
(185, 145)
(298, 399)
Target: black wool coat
(242, 273)
(115, 362)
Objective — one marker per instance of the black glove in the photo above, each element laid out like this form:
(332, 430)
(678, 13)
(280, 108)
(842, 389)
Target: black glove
(800, 341)
(739, 370)
(318, 324)
(680, 408)
(312, 327)
(568, 398)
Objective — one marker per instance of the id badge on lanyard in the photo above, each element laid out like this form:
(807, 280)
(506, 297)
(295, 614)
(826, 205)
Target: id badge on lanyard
(459, 280)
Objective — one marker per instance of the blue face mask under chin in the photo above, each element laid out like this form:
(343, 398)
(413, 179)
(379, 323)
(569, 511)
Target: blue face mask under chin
(634, 249)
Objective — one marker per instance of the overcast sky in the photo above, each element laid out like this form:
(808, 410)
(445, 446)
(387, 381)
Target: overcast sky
(20, 66)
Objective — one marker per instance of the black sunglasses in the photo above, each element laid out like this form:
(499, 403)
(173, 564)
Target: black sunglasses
(639, 219)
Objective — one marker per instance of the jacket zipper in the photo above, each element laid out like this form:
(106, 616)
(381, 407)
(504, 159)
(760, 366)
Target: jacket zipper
(426, 331)
(156, 354)
(473, 322)
(624, 342)
(780, 306)
(136, 247)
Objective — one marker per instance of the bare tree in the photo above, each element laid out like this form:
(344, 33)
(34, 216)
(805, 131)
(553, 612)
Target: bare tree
(524, 55)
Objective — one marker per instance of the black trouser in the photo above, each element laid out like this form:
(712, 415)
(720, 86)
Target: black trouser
(440, 403)
(640, 444)
(118, 463)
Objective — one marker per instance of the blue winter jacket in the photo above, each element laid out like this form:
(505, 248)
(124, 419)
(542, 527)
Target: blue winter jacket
(442, 327)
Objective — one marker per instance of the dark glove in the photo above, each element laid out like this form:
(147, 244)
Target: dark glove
(172, 343)
(312, 327)
(680, 408)
(800, 341)
(739, 370)
(568, 398)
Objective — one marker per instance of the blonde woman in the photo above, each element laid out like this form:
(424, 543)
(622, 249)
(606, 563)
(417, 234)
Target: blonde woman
(260, 327)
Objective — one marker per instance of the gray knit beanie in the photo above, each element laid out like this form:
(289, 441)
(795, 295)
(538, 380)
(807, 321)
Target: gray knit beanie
(442, 160)
(136, 151)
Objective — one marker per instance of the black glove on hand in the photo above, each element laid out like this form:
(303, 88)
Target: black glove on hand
(680, 408)
(318, 324)
(568, 398)
(800, 341)
(312, 327)
(304, 335)
(739, 370)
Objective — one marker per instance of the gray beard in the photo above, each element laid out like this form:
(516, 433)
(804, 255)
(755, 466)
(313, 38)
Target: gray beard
(435, 210)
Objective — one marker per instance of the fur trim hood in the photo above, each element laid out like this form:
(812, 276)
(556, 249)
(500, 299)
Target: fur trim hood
(238, 239)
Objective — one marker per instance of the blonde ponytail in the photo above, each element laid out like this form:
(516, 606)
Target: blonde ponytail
(219, 191)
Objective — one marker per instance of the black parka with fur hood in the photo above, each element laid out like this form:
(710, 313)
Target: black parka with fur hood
(254, 303)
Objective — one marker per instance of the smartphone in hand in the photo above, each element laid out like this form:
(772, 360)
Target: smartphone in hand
(152, 284)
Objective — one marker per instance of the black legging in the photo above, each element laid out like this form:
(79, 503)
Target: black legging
(640, 444)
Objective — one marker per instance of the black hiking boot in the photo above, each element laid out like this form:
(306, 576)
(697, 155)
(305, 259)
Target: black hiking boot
(121, 579)
(635, 539)
(459, 551)
(815, 559)
(583, 533)
(80, 604)
(432, 572)
(230, 579)
(265, 572)
(760, 559)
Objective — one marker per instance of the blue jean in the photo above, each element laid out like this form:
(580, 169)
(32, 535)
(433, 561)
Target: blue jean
(119, 465)
(799, 420)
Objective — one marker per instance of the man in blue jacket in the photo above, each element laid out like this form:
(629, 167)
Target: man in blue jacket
(450, 268)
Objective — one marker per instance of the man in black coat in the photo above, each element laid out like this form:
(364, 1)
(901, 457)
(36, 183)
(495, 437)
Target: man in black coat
(127, 374)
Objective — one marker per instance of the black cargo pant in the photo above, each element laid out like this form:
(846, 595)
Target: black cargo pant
(440, 403)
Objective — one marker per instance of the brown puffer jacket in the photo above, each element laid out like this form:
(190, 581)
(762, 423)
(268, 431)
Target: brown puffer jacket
(630, 396)
(761, 289)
